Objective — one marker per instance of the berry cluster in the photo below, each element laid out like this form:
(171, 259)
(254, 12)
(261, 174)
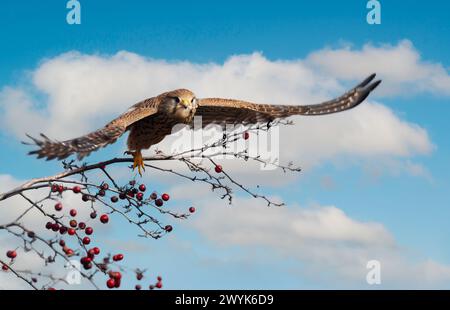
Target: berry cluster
(75, 234)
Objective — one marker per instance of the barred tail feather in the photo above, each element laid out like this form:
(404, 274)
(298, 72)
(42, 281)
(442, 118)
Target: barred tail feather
(82, 146)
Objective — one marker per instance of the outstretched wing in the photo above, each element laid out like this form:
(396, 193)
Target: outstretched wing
(229, 111)
(84, 145)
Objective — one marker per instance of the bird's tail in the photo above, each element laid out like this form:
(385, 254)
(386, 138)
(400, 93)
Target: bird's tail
(82, 146)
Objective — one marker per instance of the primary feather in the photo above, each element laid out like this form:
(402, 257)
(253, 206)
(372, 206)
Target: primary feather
(150, 120)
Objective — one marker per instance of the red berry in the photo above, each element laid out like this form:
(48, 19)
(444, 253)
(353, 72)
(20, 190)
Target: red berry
(130, 194)
(118, 257)
(122, 196)
(115, 275)
(55, 227)
(5, 267)
(76, 189)
(85, 260)
(71, 231)
(246, 135)
(62, 242)
(153, 196)
(139, 276)
(117, 283)
(87, 266)
(62, 230)
(86, 240)
(159, 278)
(114, 199)
(73, 212)
(159, 202)
(85, 197)
(139, 196)
(105, 186)
(91, 253)
(49, 225)
(142, 187)
(89, 230)
(82, 225)
(93, 215)
(11, 254)
(218, 168)
(138, 287)
(60, 189)
(104, 218)
(151, 286)
(73, 223)
(58, 206)
(159, 285)
(96, 250)
(165, 197)
(69, 252)
(111, 283)
(54, 188)
(168, 228)
(192, 209)
(101, 193)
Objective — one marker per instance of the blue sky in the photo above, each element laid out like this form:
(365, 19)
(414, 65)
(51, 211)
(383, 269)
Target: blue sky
(413, 208)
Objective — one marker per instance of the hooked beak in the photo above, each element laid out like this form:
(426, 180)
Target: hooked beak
(185, 103)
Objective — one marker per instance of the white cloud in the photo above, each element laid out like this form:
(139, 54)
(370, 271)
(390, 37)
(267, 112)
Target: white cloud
(400, 66)
(329, 246)
(293, 226)
(370, 131)
(82, 92)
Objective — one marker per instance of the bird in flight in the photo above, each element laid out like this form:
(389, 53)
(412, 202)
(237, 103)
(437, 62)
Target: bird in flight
(150, 120)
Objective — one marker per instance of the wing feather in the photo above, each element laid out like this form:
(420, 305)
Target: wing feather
(230, 111)
(84, 145)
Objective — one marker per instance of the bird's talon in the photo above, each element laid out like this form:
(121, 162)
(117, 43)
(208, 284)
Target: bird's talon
(138, 161)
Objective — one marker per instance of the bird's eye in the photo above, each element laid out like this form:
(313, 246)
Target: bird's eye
(176, 99)
(194, 101)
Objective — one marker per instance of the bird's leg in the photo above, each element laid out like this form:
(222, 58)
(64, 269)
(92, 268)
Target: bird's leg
(138, 160)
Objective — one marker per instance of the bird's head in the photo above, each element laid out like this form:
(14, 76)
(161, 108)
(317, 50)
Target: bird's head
(180, 104)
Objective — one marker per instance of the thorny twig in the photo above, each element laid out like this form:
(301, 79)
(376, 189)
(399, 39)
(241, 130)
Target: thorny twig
(122, 200)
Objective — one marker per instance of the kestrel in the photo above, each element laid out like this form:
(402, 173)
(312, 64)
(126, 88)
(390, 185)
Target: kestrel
(150, 120)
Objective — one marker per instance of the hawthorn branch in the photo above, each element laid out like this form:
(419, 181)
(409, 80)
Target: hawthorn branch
(125, 200)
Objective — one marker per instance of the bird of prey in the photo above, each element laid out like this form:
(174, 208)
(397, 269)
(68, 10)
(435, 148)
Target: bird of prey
(150, 120)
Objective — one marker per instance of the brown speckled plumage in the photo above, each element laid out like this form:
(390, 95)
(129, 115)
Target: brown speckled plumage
(150, 120)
